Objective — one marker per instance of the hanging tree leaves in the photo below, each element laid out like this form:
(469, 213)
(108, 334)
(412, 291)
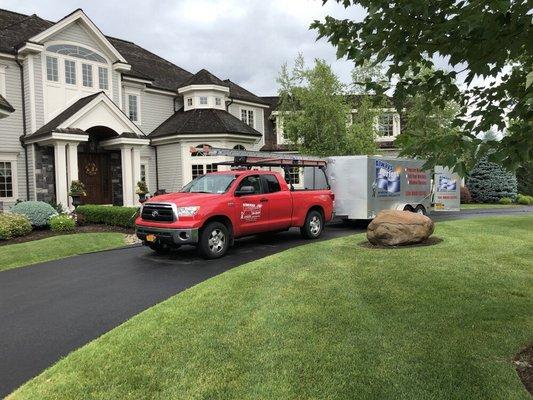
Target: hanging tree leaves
(490, 46)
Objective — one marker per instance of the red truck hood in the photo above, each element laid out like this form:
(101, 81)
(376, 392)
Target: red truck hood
(185, 199)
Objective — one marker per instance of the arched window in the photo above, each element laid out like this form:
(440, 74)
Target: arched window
(76, 51)
(239, 147)
(200, 151)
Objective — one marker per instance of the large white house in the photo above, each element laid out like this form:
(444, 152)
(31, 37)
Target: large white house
(78, 105)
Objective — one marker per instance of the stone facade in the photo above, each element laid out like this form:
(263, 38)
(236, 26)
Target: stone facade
(116, 178)
(45, 174)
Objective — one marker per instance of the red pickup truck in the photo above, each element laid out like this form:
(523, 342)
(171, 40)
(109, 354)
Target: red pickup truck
(214, 209)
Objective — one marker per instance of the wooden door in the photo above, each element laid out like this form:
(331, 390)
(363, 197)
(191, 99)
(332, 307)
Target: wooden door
(95, 173)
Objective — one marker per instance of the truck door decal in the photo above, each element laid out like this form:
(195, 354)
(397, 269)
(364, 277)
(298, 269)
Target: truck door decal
(251, 212)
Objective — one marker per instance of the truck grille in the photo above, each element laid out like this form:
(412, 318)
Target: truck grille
(158, 212)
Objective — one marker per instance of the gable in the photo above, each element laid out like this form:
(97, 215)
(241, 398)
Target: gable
(76, 33)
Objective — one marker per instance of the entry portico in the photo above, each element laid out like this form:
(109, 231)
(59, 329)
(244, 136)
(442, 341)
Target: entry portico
(95, 142)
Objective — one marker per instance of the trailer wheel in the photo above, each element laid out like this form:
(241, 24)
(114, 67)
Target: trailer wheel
(313, 226)
(214, 240)
(408, 208)
(420, 209)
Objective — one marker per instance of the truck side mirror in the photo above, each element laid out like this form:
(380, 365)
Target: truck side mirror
(244, 190)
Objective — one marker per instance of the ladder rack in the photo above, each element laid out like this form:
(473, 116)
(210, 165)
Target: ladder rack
(247, 158)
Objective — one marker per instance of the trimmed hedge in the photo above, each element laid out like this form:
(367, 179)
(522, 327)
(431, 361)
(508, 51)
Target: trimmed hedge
(524, 200)
(12, 225)
(109, 215)
(38, 212)
(505, 200)
(62, 223)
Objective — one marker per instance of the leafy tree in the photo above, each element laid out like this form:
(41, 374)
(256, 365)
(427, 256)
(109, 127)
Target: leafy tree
(524, 176)
(315, 108)
(488, 41)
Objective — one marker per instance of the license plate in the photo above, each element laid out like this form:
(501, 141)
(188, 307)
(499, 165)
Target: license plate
(150, 238)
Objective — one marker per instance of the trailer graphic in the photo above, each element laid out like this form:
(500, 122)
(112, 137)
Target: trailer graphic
(387, 179)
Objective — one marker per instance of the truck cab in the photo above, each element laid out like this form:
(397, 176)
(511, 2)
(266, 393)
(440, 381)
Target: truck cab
(214, 209)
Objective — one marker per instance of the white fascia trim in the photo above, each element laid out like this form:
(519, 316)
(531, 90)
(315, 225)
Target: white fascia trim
(137, 80)
(248, 103)
(125, 141)
(103, 97)
(190, 88)
(121, 67)
(29, 48)
(206, 137)
(160, 91)
(75, 16)
(8, 56)
(57, 137)
(9, 156)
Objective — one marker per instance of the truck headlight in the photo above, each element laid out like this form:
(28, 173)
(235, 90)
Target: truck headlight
(187, 211)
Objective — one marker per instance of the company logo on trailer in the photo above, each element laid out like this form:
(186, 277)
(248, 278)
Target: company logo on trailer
(387, 177)
(446, 184)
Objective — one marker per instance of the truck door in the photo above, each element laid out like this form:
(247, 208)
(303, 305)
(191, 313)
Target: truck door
(251, 209)
(279, 203)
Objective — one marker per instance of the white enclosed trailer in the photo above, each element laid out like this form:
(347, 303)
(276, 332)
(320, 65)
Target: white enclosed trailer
(365, 185)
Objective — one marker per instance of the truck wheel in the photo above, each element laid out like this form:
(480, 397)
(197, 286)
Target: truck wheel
(160, 248)
(214, 240)
(313, 226)
(420, 209)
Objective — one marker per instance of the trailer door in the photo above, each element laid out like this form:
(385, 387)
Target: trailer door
(446, 190)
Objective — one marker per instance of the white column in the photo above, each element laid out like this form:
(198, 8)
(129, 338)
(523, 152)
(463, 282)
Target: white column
(127, 176)
(136, 161)
(60, 167)
(72, 163)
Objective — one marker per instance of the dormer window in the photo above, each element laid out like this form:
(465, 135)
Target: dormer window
(52, 72)
(218, 101)
(70, 72)
(247, 116)
(87, 75)
(189, 101)
(203, 100)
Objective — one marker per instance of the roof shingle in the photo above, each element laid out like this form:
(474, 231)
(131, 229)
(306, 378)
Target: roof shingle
(201, 121)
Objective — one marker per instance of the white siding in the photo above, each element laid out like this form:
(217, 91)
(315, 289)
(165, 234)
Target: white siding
(170, 167)
(38, 82)
(76, 33)
(148, 154)
(155, 108)
(115, 77)
(11, 126)
(235, 109)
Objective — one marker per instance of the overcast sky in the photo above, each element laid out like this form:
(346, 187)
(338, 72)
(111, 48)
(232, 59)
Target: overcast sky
(244, 40)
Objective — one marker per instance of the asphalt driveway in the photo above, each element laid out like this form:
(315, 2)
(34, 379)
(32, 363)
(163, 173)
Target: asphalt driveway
(47, 310)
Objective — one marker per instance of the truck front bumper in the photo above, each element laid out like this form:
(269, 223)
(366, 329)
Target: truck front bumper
(168, 235)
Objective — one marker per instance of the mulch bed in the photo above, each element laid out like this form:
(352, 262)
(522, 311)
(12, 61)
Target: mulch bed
(524, 367)
(37, 234)
(433, 240)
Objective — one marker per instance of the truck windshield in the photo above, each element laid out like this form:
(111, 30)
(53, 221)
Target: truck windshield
(215, 183)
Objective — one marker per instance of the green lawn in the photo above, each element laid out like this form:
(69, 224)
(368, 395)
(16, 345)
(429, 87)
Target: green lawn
(329, 320)
(55, 247)
(471, 206)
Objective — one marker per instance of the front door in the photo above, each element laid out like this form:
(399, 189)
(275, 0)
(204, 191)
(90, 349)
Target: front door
(95, 173)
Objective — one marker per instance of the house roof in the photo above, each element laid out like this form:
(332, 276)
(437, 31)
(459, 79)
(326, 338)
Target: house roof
(4, 104)
(240, 93)
(202, 121)
(16, 29)
(203, 77)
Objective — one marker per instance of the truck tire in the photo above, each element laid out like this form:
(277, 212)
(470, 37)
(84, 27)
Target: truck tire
(160, 248)
(214, 240)
(313, 226)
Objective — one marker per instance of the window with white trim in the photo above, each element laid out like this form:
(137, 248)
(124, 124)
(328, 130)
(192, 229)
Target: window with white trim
(294, 175)
(189, 101)
(87, 75)
(133, 107)
(386, 125)
(203, 100)
(143, 173)
(7, 179)
(247, 116)
(103, 78)
(239, 147)
(211, 168)
(218, 101)
(52, 70)
(70, 72)
(197, 170)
